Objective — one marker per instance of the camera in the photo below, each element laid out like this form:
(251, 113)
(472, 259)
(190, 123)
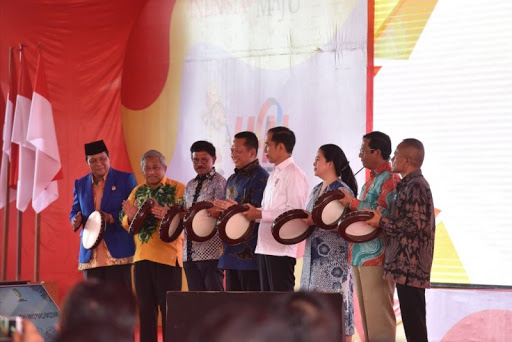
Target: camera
(7, 326)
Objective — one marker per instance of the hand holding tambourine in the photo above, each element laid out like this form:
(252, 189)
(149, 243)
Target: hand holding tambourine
(77, 221)
(375, 220)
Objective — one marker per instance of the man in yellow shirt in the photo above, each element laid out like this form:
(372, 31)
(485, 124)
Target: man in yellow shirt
(157, 264)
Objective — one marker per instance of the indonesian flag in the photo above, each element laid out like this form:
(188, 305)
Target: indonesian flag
(26, 152)
(7, 133)
(41, 135)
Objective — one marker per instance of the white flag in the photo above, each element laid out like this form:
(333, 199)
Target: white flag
(41, 135)
(27, 153)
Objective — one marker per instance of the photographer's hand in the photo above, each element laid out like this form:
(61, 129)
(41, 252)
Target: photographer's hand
(29, 333)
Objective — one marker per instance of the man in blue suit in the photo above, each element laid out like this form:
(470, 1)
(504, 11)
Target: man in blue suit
(103, 190)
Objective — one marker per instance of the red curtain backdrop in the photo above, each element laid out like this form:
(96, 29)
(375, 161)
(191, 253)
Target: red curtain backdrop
(83, 44)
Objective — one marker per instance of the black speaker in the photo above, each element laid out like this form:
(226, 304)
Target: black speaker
(32, 302)
(185, 310)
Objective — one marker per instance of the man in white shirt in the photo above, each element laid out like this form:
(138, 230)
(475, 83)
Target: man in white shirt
(287, 188)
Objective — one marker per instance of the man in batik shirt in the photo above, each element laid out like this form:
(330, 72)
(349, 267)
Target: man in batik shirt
(246, 185)
(409, 232)
(201, 259)
(374, 293)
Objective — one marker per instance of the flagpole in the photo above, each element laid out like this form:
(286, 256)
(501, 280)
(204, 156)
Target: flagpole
(36, 247)
(37, 235)
(6, 226)
(18, 245)
(19, 221)
(7, 194)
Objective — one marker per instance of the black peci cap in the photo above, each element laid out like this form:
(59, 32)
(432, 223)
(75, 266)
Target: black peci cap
(95, 147)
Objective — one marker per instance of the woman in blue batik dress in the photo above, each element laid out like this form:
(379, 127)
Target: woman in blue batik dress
(325, 263)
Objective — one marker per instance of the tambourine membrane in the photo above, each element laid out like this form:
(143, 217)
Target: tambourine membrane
(237, 226)
(293, 229)
(359, 228)
(203, 224)
(353, 227)
(233, 227)
(173, 226)
(93, 230)
(289, 228)
(332, 212)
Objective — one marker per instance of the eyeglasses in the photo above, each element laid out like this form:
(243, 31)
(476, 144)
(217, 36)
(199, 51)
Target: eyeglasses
(363, 151)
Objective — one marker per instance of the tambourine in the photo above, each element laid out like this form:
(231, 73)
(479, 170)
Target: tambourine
(353, 228)
(141, 216)
(171, 225)
(199, 225)
(233, 227)
(94, 229)
(328, 210)
(289, 228)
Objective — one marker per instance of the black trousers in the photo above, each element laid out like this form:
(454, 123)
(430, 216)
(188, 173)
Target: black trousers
(204, 275)
(276, 272)
(412, 306)
(242, 280)
(113, 274)
(152, 281)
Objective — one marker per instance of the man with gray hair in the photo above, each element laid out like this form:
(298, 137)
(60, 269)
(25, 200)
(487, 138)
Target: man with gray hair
(157, 264)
